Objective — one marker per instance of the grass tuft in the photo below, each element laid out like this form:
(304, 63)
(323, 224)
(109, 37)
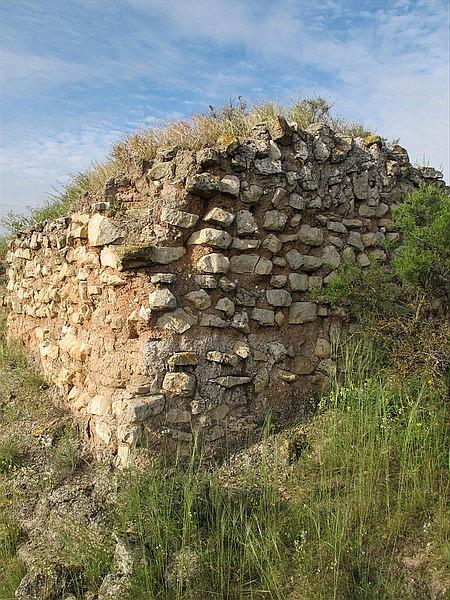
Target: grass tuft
(216, 127)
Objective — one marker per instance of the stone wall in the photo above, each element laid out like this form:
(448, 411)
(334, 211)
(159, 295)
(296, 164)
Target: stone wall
(178, 299)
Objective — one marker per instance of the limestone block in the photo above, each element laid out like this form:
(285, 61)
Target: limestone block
(363, 260)
(179, 384)
(279, 318)
(298, 282)
(278, 297)
(331, 257)
(219, 216)
(272, 243)
(382, 209)
(243, 263)
(278, 281)
(230, 381)
(303, 365)
(352, 223)
(128, 257)
(213, 321)
(354, 239)
(275, 220)
(245, 244)
(336, 226)
(164, 278)
(111, 279)
(277, 350)
(102, 231)
(199, 298)
(348, 254)
(162, 299)
(99, 406)
(311, 236)
(361, 185)
(245, 223)
(211, 237)
(302, 312)
(213, 263)
(305, 262)
(178, 321)
(298, 202)
(242, 349)
(103, 431)
(222, 358)
(182, 359)
(287, 376)
(139, 409)
(322, 348)
(240, 322)
(268, 166)
(367, 211)
(370, 239)
(178, 218)
(206, 281)
(230, 185)
(226, 305)
(264, 266)
(252, 194)
(166, 255)
(279, 199)
(263, 316)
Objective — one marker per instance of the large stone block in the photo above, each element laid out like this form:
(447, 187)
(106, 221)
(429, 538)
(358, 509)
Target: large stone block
(302, 312)
(102, 231)
(179, 384)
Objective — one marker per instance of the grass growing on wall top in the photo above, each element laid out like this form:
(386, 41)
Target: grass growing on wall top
(215, 127)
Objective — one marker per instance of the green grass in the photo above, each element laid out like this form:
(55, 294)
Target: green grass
(195, 537)
(364, 488)
(377, 476)
(13, 359)
(368, 487)
(11, 567)
(10, 455)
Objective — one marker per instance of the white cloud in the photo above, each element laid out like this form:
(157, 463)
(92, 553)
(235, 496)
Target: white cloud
(36, 166)
(386, 66)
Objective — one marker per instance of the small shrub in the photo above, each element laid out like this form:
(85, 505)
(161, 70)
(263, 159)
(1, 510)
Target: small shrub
(10, 455)
(423, 259)
(366, 293)
(11, 567)
(65, 452)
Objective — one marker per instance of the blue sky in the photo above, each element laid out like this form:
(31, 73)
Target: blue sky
(78, 74)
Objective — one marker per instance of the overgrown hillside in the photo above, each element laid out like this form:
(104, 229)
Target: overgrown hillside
(350, 506)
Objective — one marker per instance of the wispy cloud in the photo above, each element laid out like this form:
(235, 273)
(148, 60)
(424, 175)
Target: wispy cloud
(80, 73)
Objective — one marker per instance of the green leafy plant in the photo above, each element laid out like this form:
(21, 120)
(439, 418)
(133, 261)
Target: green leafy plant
(366, 293)
(423, 259)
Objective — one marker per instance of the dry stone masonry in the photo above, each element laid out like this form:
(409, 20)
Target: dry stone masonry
(178, 300)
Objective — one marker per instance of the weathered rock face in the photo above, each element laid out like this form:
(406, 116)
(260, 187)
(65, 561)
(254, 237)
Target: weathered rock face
(189, 309)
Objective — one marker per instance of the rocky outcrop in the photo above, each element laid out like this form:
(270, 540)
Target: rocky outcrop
(179, 302)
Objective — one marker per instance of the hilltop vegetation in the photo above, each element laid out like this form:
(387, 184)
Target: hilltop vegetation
(217, 127)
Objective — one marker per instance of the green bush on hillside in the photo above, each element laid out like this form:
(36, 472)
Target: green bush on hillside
(366, 293)
(423, 259)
